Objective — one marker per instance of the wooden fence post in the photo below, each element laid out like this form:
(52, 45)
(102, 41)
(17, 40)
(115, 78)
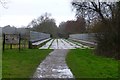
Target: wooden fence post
(19, 41)
(3, 42)
(11, 46)
(30, 44)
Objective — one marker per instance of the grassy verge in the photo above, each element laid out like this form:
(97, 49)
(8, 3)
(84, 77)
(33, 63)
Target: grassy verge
(0, 57)
(22, 64)
(84, 64)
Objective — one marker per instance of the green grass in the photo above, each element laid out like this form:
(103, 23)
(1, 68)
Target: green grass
(22, 64)
(84, 64)
(0, 57)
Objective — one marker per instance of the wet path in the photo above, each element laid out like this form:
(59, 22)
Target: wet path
(54, 66)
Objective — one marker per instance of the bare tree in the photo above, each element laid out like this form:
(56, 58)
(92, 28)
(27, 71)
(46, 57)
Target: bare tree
(93, 10)
(3, 3)
(44, 24)
(74, 27)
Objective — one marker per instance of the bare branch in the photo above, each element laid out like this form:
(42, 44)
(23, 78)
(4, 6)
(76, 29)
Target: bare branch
(3, 3)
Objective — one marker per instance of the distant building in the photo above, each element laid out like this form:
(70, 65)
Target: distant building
(9, 30)
(13, 30)
(0, 32)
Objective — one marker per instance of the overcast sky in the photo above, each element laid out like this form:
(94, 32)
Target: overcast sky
(21, 12)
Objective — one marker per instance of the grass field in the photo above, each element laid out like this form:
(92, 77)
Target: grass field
(84, 64)
(0, 57)
(21, 64)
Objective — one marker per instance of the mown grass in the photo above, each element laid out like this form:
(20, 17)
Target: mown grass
(0, 57)
(85, 64)
(21, 64)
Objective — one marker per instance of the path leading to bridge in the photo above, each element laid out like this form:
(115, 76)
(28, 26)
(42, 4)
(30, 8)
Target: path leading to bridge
(54, 66)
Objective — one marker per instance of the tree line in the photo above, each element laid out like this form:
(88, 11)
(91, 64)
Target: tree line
(48, 25)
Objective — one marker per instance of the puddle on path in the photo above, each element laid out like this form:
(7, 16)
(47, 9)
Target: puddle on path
(54, 66)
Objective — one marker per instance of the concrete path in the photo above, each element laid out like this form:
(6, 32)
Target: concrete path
(54, 66)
